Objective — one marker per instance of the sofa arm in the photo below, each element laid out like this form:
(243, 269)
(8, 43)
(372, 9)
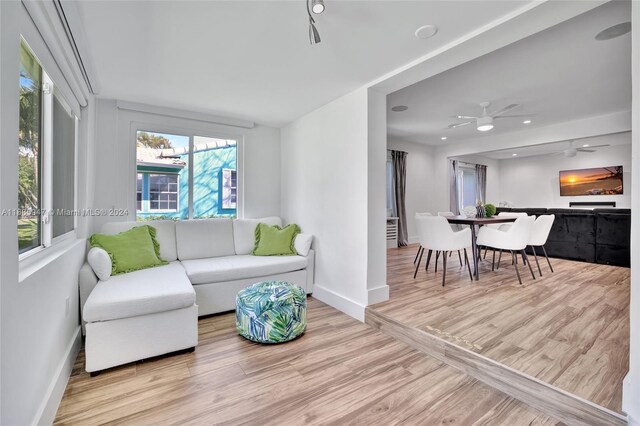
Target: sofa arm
(87, 280)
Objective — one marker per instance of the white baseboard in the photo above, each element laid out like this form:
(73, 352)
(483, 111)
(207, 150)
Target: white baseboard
(378, 294)
(413, 239)
(338, 301)
(630, 402)
(49, 407)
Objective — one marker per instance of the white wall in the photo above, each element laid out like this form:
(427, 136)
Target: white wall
(325, 185)
(115, 149)
(534, 181)
(39, 340)
(419, 190)
(377, 288)
(631, 386)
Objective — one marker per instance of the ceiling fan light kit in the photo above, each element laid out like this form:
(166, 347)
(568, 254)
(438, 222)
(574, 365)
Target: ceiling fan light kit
(484, 124)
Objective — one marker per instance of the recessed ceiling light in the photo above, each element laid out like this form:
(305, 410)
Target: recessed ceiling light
(514, 155)
(526, 122)
(399, 108)
(444, 138)
(614, 31)
(585, 145)
(426, 31)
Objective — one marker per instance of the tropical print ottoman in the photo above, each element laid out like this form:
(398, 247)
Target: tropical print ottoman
(271, 312)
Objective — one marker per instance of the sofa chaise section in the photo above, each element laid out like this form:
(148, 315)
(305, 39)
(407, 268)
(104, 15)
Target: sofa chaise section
(139, 315)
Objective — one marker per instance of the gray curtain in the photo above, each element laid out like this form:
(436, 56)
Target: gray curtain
(400, 177)
(391, 187)
(481, 183)
(453, 187)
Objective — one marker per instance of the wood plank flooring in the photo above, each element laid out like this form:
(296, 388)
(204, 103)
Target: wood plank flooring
(339, 372)
(569, 328)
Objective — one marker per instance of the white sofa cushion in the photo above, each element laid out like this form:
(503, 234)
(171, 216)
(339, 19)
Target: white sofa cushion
(148, 291)
(100, 262)
(165, 234)
(244, 232)
(204, 238)
(212, 270)
(302, 244)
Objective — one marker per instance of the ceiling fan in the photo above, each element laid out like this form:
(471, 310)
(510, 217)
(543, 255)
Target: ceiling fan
(485, 121)
(572, 151)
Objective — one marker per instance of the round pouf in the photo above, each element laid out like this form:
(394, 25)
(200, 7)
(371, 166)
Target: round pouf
(271, 312)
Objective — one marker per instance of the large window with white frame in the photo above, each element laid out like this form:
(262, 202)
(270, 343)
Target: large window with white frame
(46, 158)
(467, 193)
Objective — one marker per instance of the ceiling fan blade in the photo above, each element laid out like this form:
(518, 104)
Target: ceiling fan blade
(455, 125)
(597, 146)
(503, 110)
(585, 150)
(464, 117)
(514, 116)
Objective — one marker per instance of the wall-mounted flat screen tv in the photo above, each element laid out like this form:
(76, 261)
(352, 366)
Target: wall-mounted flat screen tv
(596, 181)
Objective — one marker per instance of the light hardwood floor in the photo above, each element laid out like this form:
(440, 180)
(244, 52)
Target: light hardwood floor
(339, 372)
(569, 328)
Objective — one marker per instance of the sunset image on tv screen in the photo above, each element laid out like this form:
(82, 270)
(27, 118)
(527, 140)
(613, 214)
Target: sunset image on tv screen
(597, 181)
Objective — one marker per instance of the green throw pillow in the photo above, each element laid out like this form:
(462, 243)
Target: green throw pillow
(275, 241)
(131, 250)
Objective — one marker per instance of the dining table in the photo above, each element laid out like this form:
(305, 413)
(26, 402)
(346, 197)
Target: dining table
(474, 222)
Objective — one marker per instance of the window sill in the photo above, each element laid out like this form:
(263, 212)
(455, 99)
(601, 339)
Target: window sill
(28, 266)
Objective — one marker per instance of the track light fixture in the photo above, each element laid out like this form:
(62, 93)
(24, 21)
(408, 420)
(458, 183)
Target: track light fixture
(317, 6)
(314, 36)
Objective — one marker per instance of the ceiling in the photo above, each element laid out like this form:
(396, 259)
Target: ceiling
(556, 148)
(252, 59)
(557, 75)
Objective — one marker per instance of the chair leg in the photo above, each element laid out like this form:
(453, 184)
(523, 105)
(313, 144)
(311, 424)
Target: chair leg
(493, 261)
(444, 267)
(466, 261)
(418, 265)
(545, 255)
(428, 260)
(514, 258)
(420, 248)
(535, 256)
(499, 259)
(485, 252)
(460, 258)
(436, 264)
(526, 259)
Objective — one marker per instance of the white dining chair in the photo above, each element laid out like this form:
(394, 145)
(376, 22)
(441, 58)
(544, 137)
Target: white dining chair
(539, 236)
(515, 240)
(436, 235)
(420, 249)
(455, 227)
(503, 226)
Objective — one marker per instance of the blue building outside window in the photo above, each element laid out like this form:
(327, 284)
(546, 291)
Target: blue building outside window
(162, 183)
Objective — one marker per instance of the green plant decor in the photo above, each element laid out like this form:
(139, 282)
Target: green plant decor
(490, 209)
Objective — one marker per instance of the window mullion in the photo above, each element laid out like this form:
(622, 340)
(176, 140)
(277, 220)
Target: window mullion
(191, 167)
(47, 159)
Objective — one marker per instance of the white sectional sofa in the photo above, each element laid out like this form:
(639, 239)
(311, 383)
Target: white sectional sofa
(154, 311)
